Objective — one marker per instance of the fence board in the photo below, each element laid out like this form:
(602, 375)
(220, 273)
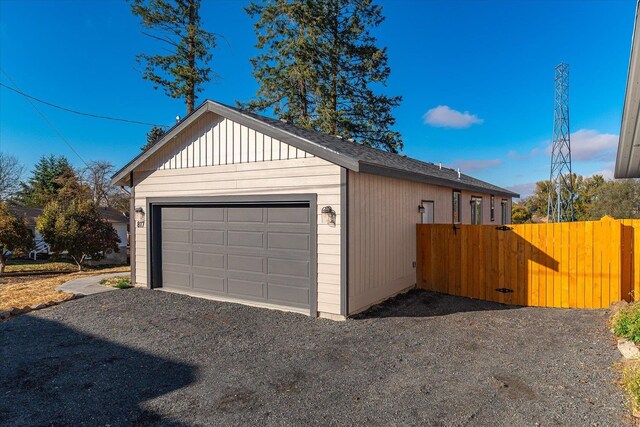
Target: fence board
(578, 265)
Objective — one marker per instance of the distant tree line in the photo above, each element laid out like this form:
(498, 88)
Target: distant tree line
(596, 197)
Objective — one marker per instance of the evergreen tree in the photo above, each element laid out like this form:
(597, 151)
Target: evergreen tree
(49, 175)
(177, 25)
(320, 68)
(285, 69)
(153, 136)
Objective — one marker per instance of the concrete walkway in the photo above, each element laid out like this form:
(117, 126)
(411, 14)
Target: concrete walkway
(88, 285)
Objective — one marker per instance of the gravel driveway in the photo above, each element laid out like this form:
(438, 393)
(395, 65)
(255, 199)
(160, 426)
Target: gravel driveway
(140, 357)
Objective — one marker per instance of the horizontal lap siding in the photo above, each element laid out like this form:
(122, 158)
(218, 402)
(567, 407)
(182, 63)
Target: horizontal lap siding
(194, 165)
(383, 213)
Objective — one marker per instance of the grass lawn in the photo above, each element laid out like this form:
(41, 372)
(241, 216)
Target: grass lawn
(29, 265)
(31, 290)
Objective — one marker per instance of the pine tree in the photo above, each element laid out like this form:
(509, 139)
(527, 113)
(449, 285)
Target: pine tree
(285, 67)
(177, 24)
(320, 68)
(47, 178)
(153, 136)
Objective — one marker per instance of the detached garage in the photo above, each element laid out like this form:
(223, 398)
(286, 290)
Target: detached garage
(239, 207)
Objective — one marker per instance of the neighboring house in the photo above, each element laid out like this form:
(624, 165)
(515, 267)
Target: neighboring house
(236, 206)
(628, 158)
(118, 220)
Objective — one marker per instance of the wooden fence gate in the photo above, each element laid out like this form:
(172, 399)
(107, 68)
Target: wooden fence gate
(575, 265)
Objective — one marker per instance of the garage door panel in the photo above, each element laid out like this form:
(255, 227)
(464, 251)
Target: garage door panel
(176, 236)
(296, 241)
(288, 281)
(288, 215)
(176, 257)
(245, 288)
(288, 267)
(176, 214)
(257, 253)
(208, 215)
(287, 294)
(208, 237)
(176, 279)
(208, 283)
(244, 214)
(250, 239)
(245, 263)
(208, 260)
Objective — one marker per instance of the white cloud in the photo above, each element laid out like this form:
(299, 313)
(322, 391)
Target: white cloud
(589, 145)
(606, 171)
(467, 166)
(525, 189)
(443, 116)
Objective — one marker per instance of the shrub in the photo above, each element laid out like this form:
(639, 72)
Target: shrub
(15, 236)
(120, 282)
(626, 323)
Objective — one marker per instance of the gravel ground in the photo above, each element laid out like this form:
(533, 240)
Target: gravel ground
(140, 357)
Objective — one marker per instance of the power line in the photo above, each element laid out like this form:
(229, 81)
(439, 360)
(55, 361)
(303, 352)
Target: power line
(55, 129)
(69, 110)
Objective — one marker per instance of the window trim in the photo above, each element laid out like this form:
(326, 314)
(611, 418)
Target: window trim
(453, 207)
(504, 204)
(492, 207)
(471, 203)
(433, 203)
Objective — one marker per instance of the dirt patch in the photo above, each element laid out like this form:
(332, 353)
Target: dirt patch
(25, 291)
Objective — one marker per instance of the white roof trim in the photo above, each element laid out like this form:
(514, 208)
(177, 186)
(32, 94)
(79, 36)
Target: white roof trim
(628, 157)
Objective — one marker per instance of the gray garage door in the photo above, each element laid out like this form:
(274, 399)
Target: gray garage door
(257, 253)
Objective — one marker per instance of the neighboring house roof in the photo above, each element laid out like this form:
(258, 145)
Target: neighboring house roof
(113, 215)
(628, 158)
(30, 213)
(110, 214)
(349, 154)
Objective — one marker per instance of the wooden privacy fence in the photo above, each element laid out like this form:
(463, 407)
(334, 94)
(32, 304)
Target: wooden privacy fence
(578, 265)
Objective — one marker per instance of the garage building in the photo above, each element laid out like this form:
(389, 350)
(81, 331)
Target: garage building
(235, 206)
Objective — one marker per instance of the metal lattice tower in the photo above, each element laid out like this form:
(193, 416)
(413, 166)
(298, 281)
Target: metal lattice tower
(561, 194)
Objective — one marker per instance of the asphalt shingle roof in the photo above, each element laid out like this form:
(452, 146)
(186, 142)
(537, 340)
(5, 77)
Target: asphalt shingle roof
(374, 156)
(368, 159)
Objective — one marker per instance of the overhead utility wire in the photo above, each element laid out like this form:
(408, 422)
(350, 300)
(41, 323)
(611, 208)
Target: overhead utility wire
(69, 110)
(55, 129)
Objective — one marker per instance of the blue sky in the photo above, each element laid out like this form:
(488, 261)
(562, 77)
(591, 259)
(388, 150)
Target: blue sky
(476, 79)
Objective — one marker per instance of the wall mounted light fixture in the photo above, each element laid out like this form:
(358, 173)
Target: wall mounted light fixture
(421, 209)
(139, 217)
(329, 216)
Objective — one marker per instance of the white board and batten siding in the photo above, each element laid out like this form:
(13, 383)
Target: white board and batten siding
(218, 157)
(383, 213)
